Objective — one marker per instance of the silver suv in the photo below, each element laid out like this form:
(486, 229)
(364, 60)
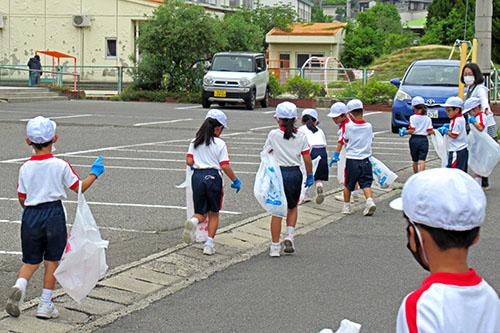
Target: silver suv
(236, 77)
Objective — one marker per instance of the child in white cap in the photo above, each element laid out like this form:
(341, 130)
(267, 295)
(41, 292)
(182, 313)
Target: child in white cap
(208, 155)
(358, 138)
(420, 127)
(444, 210)
(458, 154)
(41, 187)
(317, 142)
(288, 147)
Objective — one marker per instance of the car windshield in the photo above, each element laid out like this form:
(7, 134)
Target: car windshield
(232, 64)
(433, 75)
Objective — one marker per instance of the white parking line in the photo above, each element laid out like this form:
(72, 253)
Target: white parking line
(176, 152)
(64, 117)
(148, 159)
(380, 132)
(11, 252)
(263, 127)
(163, 122)
(371, 113)
(266, 112)
(188, 107)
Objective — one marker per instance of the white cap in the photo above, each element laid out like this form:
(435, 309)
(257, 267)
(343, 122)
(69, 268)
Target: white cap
(354, 104)
(443, 198)
(337, 109)
(217, 115)
(310, 112)
(41, 129)
(471, 103)
(417, 100)
(454, 102)
(286, 110)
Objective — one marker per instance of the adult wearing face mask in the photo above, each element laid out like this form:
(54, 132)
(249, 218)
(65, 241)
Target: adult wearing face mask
(474, 81)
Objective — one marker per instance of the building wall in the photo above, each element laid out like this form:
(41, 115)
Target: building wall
(303, 9)
(327, 50)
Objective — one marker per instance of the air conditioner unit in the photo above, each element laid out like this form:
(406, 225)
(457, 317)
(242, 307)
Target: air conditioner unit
(82, 20)
(1, 20)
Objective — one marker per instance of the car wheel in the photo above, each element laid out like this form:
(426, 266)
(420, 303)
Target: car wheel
(250, 102)
(222, 104)
(265, 102)
(394, 128)
(205, 103)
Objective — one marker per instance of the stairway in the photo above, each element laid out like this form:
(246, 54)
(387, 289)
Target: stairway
(29, 94)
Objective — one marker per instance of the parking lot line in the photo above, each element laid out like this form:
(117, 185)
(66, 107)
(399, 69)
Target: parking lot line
(64, 117)
(189, 107)
(11, 252)
(163, 122)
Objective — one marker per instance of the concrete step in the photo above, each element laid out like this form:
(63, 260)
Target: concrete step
(28, 94)
(35, 99)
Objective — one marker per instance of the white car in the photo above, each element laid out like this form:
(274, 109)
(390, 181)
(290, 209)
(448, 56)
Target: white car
(236, 77)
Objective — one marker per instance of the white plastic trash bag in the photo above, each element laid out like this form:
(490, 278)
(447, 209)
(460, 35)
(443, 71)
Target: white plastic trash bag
(84, 260)
(268, 188)
(440, 144)
(382, 175)
(341, 166)
(315, 164)
(484, 152)
(346, 326)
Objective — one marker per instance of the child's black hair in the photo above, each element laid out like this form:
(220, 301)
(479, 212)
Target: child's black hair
(309, 121)
(40, 146)
(422, 108)
(357, 112)
(449, 239)
(289, 125)
(206, 132)
(478, 76)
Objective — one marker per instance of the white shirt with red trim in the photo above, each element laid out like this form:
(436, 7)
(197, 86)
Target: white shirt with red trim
(341, 131)
(358, 137)
(421, 124)
(287, 152)
(457, 127)
(316, 139)
(209, 157)
(448, 302)
(42, 179)
(481, 119)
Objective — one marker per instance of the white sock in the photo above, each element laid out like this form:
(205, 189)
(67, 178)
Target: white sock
(290, 230)
(369, 201)
(276, 244)
(355, 192)
(195, 220)
(210, 241)
(347, 205)
(479, 180)
(319, 184)
(47, 296)
(21, 283)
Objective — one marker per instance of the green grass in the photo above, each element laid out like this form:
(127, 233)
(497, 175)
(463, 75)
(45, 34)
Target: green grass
(416, 22)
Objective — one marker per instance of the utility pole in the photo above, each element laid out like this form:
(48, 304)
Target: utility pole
(348, 9)
(484, 12)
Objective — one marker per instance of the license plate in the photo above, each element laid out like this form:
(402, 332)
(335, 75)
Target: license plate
(219, 93)
(433, 113)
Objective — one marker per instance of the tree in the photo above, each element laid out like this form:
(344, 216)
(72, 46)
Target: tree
(175, 40)
(495, 32)
(241, 34)
(317, 15)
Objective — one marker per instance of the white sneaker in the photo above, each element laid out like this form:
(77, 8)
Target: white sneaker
(320, 197)
(208, 249)
(275, 250)
(370, 209)
(307, 197)
(15, 301)
(289, 245)
(346, 211)
(46, 311)
(189, 232)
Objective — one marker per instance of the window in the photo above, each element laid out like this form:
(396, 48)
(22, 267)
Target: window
(284, 60)
(234, 3)
(302, 58)
(261, 63)
(111, 48)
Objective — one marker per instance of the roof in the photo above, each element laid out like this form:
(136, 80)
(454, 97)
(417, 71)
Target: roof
(248, 54)
(155, 1)
(309, 29)
(56, 54)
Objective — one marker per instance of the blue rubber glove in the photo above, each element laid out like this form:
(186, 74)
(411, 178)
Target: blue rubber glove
(447, 125)
(22, 214)
(335, 158)
(402, 132)
(309, 180)
(236, 184)
(443, 130)
(97, 167)
(472, 119)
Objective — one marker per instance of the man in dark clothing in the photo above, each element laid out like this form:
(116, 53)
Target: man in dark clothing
(34, 63)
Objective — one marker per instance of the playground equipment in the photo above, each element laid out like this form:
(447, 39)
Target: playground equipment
(57, 79)
(325, 71)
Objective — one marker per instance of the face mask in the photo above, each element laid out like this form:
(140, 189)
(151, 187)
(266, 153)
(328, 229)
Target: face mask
(415, 254)
(469, 80)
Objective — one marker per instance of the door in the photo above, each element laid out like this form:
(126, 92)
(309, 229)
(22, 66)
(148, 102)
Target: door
(262, 77)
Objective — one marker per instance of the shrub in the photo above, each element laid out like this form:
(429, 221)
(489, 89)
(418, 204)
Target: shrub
(275, 87)
(302, 88)
(373, 92)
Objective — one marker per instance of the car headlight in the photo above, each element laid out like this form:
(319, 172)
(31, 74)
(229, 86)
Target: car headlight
(401, 95)
(245, 82)
(208, 80)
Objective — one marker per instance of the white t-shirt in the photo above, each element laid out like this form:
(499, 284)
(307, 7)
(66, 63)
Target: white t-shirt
(449, 302)
(287, 152)
(317, 139)
(481, 119)
(481, 92)
(457, 127)
(209, 157)
(421, 124)
(341, 131)
(42, 179)
(358, 137)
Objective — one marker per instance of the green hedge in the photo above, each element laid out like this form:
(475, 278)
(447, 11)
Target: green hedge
(159, 96)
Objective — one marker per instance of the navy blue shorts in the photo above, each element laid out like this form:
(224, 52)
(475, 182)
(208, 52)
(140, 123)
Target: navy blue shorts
(292, 181)
(207, 190)
(322, 170)
(458, 159)
(419, 147)
(43, 232)
(358, 171)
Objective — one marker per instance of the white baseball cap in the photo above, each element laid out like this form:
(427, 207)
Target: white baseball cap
(471, 103)
(310, 112)
(337, 109)
(286, 110)
(40, 129)
(443, 198)
(454, 102)
(417, 100)
(217, 115)
(354, 104)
